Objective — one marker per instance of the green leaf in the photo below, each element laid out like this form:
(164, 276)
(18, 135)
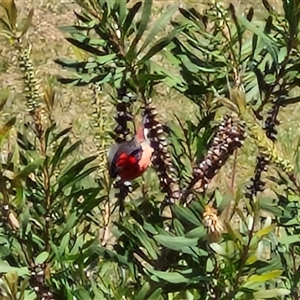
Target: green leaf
(64, 244)
(158, 46)
(218, 248)
(198, 232)
(265, 231)
(271, 293)
(129, 18)
(238, 28)
(186, 215)
(234, 234)
(27, 22)
(56, 159)
(6, 268)
(105, 58)
(85, 47)
(30, 168)
(76, 169)
(6, 27)
(268, 41)
(7, 127)
(142, 27)
(11, 10)
(147, 243)
(4, 95)
(61, 134)
(122, 10)
(159, 25)
(41, 258)
(174, 242)
(265, 277)
(155, 295)
(175, 277)
(71, 222)
(289, 239)
(143, 292)
(71, 149)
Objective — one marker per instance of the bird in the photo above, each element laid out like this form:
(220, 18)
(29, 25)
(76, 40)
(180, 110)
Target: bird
(130, 159)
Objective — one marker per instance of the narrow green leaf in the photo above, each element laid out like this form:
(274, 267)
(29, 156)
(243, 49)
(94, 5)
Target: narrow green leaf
(6, 27)
(174, 242)
(122, 10)
(7, 127)
(41, 258)
(83, 18)
(56, 159)
(268, 41)
(218, 248)
(271, 293)
(64, 244)
(129, 18)
(70, 150)
(30, 168)
(186, 215)
(85, 47)
(238, 28)
(61, 134)
(11, 10)
(71, 222)
(176, 277)
(78, 167)
(265, 277)
(6, 268)
(198, 232)
(4, 97)
(141, 29)
(143, 292)
(146, 242)
(234, 234)
(290, 239)
(105, 58)
(155, 295)
(158, 46)
(27, 22)
(265, 231)
(159, 25)
(267, 6)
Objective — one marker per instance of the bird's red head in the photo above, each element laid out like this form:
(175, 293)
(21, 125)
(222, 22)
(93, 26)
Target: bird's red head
(131, 159)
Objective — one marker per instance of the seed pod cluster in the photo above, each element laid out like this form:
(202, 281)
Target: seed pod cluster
(31, 87)
(271, 122)
(123, 115)
(38, 282)
(257, 185)
(161, 159)
(228, 137)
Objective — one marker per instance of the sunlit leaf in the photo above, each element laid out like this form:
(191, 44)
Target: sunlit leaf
(159, 25)
(147, 5)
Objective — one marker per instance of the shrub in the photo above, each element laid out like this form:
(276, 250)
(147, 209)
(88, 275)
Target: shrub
(68, 231)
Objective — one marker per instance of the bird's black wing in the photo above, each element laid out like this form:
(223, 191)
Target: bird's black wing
(131, 149)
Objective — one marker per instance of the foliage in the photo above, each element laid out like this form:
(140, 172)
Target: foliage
(61, 235)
